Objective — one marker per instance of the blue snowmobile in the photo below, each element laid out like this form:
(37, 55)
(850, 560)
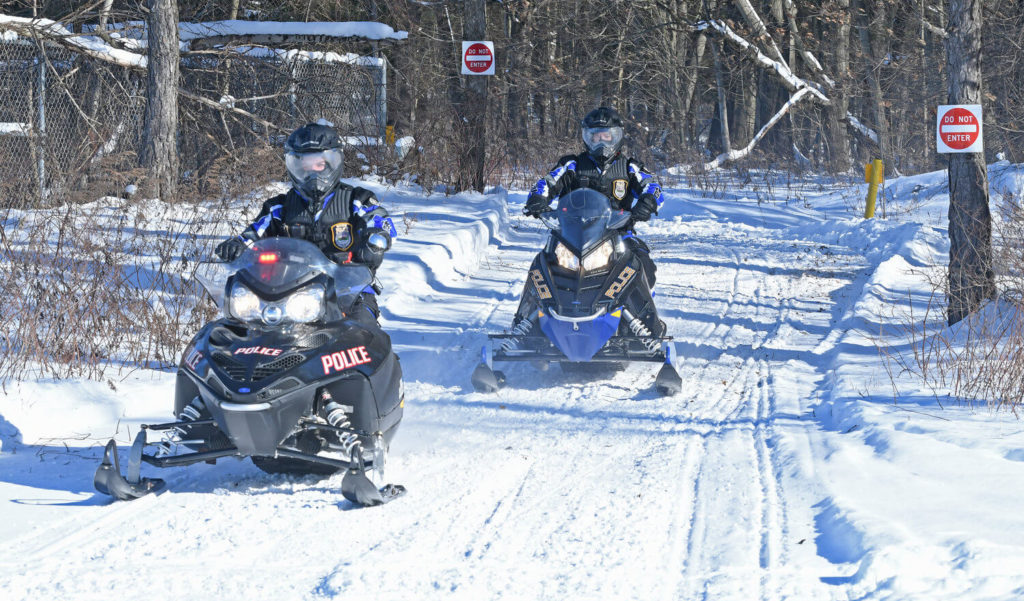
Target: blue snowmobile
(587, 301)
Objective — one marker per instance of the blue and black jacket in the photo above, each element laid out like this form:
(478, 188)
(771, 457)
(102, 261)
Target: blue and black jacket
(339, 224)
(622, 180)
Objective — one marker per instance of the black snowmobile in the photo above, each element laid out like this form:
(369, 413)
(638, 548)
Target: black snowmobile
(587, 300)
(289, 376)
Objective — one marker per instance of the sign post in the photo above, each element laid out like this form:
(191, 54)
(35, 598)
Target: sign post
(958, 128)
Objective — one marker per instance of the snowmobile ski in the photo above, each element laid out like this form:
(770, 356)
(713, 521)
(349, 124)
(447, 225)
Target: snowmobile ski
(357, 487)
(485, 378)
(109, 481)
(668, 381)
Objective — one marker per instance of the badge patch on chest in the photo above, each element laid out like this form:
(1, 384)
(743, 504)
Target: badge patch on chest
(341, 235)
(619, 189)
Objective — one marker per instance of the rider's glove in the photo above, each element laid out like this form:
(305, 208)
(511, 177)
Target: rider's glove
(645, 206)
(536, 205)
(230, 249)
(371, 252)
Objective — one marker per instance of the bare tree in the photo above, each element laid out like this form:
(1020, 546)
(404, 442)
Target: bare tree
(971, 279)
(474, 108)
(160, 131)
(839, 141)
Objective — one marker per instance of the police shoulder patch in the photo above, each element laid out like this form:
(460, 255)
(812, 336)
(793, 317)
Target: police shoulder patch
(619, 187)
(341, 235)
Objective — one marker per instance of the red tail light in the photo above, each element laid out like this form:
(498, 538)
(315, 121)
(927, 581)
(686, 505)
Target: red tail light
(266, 258)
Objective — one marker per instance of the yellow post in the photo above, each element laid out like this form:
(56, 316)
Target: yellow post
(874, 174)
(389, 135)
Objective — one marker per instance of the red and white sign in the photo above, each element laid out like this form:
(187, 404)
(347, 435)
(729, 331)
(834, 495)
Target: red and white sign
(478, 58)
(958, 128)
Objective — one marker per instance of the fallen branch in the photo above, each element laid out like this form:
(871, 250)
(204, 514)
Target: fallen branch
(735, 155)
(789, 80)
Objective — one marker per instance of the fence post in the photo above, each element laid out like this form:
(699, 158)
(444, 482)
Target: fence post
(41, 123)
(382, 98)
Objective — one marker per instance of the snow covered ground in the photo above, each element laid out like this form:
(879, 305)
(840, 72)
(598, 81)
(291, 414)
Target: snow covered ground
(782, 471)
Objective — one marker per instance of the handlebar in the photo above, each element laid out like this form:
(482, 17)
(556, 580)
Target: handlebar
(548, 220)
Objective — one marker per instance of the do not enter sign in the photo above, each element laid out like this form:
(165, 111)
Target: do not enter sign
(478, 58)
(959, 128)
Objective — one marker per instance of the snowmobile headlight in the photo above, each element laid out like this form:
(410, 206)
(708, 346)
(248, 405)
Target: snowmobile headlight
(306, 305)
(566, 258)
(598, 258)
(244, 304)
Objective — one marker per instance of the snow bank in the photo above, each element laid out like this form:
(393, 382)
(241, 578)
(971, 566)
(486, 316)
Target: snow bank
(923, 488)
(785, 470)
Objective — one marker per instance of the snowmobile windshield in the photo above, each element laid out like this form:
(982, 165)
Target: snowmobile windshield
(584, 215)
(281, 264)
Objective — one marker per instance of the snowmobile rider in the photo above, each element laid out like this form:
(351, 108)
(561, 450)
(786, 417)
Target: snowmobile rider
(345, 222)
(602, 167)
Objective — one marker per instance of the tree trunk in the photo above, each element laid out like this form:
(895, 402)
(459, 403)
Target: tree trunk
(839, 140)
(691, 86)
(678, 51)
(723, 111)
(971, 279)
(160, 126)
(475, 102)
(869, 34)
(518, 60)
(746, 113)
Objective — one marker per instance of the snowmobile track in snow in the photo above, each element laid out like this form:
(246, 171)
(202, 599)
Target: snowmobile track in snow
(553, 487)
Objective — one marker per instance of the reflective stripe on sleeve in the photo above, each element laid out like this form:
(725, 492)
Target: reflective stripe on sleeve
(261, 225)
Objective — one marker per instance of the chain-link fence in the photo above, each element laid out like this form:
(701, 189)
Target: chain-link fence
(71, 125)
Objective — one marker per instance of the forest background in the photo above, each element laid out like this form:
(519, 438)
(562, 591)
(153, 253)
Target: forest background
(846, 80)
(760, 87)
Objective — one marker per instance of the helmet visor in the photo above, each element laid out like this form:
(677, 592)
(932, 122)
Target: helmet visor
(318, 168)
(602, 140)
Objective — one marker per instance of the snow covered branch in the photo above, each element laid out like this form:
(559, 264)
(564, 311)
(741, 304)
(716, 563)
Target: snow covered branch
(789, 80)
(937, 31)
(89, 45)
(862, 129)
(737, 154)
(760, 31)
(809, 59)
(214, 33)
(786, 75)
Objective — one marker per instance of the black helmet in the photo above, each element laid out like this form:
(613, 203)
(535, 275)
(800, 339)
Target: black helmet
(602, 133)
(314, 159)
